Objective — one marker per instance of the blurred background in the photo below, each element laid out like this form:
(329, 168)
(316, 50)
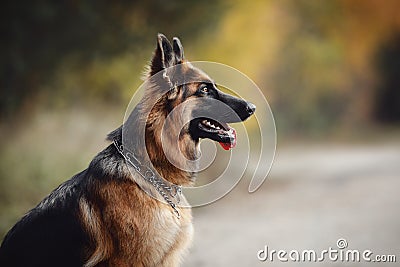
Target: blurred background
(329, 69)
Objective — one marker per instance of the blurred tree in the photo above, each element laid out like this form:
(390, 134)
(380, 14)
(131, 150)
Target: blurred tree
(309, 75)
(387, 98)
(325, 76)
(38, 35)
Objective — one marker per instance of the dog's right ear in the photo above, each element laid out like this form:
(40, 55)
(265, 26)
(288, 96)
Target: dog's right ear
(163, 56)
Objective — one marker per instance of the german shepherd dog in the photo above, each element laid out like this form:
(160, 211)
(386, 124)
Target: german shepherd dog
(102, 216)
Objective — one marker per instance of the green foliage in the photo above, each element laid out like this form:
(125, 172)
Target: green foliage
(39, 37)
(310, 72)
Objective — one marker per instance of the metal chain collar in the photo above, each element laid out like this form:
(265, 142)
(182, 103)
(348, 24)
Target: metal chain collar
(166, 191)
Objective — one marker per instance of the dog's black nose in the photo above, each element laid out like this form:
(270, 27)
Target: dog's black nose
(251, 108)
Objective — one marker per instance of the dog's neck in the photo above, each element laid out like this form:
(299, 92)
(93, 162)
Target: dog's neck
(153, 156)
(173, 159)
(172, 152)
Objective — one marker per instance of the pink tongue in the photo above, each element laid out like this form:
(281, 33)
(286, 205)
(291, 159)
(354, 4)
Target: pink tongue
(228, 146)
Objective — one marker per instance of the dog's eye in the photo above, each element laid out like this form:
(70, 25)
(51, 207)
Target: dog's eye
(204, 90)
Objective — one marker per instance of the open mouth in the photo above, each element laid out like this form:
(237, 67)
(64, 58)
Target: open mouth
(217, 131)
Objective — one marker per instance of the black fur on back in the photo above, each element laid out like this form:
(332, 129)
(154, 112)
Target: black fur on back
(46, 235)
(51, 234)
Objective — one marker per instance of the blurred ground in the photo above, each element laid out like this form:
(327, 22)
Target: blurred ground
(314, 196)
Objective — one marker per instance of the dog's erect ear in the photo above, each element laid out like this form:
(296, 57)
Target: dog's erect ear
(179, 57)
(178, 49)
(163, 56)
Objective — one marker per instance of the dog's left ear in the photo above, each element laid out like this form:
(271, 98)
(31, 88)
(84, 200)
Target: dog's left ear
(178, 49)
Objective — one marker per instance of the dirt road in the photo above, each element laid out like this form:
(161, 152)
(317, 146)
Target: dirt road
(313, 196)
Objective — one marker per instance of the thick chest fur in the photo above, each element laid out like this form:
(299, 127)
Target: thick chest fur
(136, 230)
(167, 237)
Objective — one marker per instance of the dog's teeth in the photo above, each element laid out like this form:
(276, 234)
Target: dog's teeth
(211, 124)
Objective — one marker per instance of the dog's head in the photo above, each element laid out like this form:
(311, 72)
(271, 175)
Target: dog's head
(209, 109)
